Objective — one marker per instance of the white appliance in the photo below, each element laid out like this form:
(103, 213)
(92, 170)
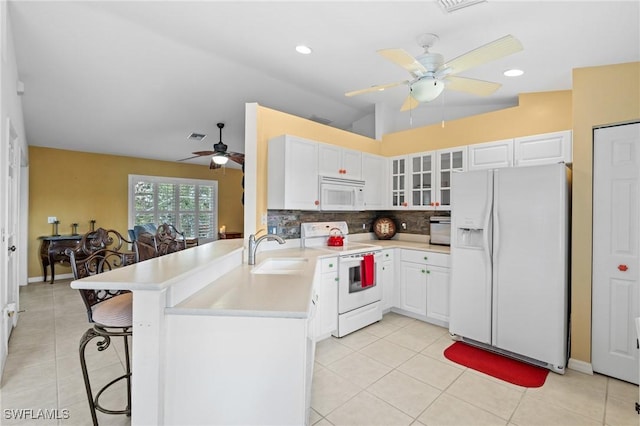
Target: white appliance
(359, 304)
(509, 262)
(341, 194)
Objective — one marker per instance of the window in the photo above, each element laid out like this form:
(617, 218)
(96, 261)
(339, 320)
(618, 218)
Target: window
(190, 205)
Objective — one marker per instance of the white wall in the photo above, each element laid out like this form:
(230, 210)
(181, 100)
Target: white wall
(10, 112)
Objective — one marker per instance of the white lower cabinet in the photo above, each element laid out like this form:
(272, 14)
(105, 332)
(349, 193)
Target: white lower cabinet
(388, 279)
(423, 291)
(327, 290)
(438, 293)
(413, 288)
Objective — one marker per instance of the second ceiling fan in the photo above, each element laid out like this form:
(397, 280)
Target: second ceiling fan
(219, 155)
(431, 74)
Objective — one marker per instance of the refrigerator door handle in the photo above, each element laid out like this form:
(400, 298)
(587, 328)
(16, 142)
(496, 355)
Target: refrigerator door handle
(487, 221)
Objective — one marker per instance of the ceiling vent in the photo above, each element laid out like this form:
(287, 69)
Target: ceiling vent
(196, 136)
(452, 5)
(320, 120)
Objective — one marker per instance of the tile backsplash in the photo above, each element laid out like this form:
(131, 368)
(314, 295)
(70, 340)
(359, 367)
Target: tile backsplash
(287, 222)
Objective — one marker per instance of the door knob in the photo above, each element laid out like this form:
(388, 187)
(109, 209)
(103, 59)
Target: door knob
(12, 248)
(622, 268)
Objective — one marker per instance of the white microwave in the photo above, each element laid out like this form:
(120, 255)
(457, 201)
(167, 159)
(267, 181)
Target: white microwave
(341, 194)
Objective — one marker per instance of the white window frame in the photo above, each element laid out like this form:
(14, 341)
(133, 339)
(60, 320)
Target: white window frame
(133, 179)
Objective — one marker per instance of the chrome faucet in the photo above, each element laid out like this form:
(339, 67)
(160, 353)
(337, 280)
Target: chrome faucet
(253, 245)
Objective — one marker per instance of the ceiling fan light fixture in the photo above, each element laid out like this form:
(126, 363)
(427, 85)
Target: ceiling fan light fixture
(219, 159)
(427, 89)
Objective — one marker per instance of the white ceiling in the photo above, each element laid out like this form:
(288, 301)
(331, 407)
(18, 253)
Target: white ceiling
(135, 78)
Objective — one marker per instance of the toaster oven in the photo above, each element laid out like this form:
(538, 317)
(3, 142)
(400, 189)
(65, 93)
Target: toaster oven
(440, 230)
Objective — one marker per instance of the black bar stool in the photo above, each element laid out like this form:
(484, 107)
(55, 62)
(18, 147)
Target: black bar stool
(110, 311)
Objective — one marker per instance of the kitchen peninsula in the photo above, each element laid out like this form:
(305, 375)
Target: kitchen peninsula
(213, 335)
(201, 349)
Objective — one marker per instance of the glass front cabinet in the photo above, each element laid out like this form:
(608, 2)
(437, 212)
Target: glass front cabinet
(422, 181)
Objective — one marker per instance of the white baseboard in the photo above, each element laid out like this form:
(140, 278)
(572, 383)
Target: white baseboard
(580, 366)
(41, 278)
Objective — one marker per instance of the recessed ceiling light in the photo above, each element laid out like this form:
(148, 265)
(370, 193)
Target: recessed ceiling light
(305, 50)
(513, 73)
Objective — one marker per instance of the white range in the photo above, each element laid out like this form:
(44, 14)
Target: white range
(359, 267)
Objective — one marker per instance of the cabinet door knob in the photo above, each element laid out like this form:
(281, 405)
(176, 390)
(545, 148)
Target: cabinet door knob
(623, 268)
(12, 248)
(316, 202)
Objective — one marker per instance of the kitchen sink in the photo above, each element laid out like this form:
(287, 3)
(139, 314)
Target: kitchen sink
(281, 265)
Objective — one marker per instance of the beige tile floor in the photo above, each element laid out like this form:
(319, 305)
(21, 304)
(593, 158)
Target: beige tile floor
(390, 373)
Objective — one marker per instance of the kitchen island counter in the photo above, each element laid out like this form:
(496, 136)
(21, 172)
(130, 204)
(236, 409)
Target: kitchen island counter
(241, 292)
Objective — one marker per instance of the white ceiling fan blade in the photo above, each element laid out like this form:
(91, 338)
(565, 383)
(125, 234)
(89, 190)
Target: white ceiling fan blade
(409, 103)
(376, 88)
(471, 85)
(404, 59)
(497, 49)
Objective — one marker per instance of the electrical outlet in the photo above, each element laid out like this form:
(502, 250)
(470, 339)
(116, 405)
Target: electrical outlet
(404, 226)
(51, 219)
(364, 226)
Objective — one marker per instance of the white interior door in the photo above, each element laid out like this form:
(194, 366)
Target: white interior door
(9, 277)
(616, 258)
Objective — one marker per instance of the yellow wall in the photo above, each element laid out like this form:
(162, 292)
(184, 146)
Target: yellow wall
(601, 95)
(272, 123)
(536, 113)
(78, 186)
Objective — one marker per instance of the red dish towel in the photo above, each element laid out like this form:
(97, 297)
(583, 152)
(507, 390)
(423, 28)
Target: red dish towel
(367, 270)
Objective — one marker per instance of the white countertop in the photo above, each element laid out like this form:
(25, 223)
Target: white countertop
(242, 293)
(408, 241)
(161, 272)
(238, 292)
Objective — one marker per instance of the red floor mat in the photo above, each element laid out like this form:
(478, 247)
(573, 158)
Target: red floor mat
(501, 367)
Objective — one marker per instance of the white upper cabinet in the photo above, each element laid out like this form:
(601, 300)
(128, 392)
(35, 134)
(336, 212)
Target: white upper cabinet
(292, 182)
(422, 181)
(398, 184)
(491, 155)
(448, 161)
(339, 162)
(374, 174)
(547, 148)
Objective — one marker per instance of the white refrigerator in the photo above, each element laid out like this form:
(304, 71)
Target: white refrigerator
(509, 262)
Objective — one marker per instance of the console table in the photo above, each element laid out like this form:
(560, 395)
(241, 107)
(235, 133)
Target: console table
(52, 251)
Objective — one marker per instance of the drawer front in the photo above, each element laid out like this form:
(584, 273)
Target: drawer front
(329, 265)
(426, 257)
(387, 255)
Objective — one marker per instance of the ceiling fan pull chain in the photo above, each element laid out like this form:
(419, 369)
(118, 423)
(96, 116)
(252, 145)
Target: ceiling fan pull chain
(442, 108)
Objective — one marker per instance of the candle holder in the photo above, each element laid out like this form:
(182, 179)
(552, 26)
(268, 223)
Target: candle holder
(55, 228)
(74, 227)
(92, 225)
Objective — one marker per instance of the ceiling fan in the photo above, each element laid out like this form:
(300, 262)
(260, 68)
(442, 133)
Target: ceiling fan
(219, 155)
(431, 74)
